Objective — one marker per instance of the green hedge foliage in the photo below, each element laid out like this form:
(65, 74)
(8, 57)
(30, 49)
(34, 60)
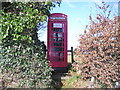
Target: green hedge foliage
(22, 61)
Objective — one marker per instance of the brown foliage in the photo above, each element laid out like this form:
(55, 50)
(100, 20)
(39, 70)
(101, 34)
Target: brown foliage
(99, 49)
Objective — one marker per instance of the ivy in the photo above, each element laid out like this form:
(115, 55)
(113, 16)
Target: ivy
(21, 58)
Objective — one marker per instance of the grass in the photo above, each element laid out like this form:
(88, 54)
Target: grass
(70, 82)
(69, 58)
(74, 81)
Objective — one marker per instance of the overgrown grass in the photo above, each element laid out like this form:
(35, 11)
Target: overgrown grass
(70, 82)
(69, 58)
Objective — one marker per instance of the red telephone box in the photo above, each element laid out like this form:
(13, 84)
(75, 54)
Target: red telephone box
(57, 41)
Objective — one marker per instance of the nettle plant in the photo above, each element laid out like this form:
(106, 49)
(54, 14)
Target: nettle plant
(98, 51)
(21, 57)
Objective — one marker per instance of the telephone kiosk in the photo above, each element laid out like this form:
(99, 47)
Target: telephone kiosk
(57, 41)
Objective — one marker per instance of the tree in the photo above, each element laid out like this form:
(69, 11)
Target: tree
(99, 48)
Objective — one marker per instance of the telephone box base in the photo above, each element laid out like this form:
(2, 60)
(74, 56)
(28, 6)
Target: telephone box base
(60, 69)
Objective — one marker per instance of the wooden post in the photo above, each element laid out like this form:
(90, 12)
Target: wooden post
(72, 56)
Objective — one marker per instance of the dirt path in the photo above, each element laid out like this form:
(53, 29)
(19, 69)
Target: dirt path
(70, 80)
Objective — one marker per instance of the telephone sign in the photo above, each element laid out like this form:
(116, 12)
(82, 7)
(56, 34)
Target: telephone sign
(57, 25)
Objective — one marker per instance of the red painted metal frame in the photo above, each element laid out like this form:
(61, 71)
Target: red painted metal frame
(57, 18)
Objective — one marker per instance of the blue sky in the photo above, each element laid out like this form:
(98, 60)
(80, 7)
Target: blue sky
(78, 17)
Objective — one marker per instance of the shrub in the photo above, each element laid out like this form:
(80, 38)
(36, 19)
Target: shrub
(28, 66)
(99, 48)
(22, 59)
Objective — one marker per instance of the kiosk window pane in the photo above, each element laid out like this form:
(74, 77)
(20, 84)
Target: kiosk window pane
(58, 39)
(58, 44)
(55, 54)
(58, 35)
(57, 49)
(55, 34)
(58, 54)
(58, 59)
(58, 30)
(61, 54)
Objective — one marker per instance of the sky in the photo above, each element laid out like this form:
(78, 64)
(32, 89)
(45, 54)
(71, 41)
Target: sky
(78, 12)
